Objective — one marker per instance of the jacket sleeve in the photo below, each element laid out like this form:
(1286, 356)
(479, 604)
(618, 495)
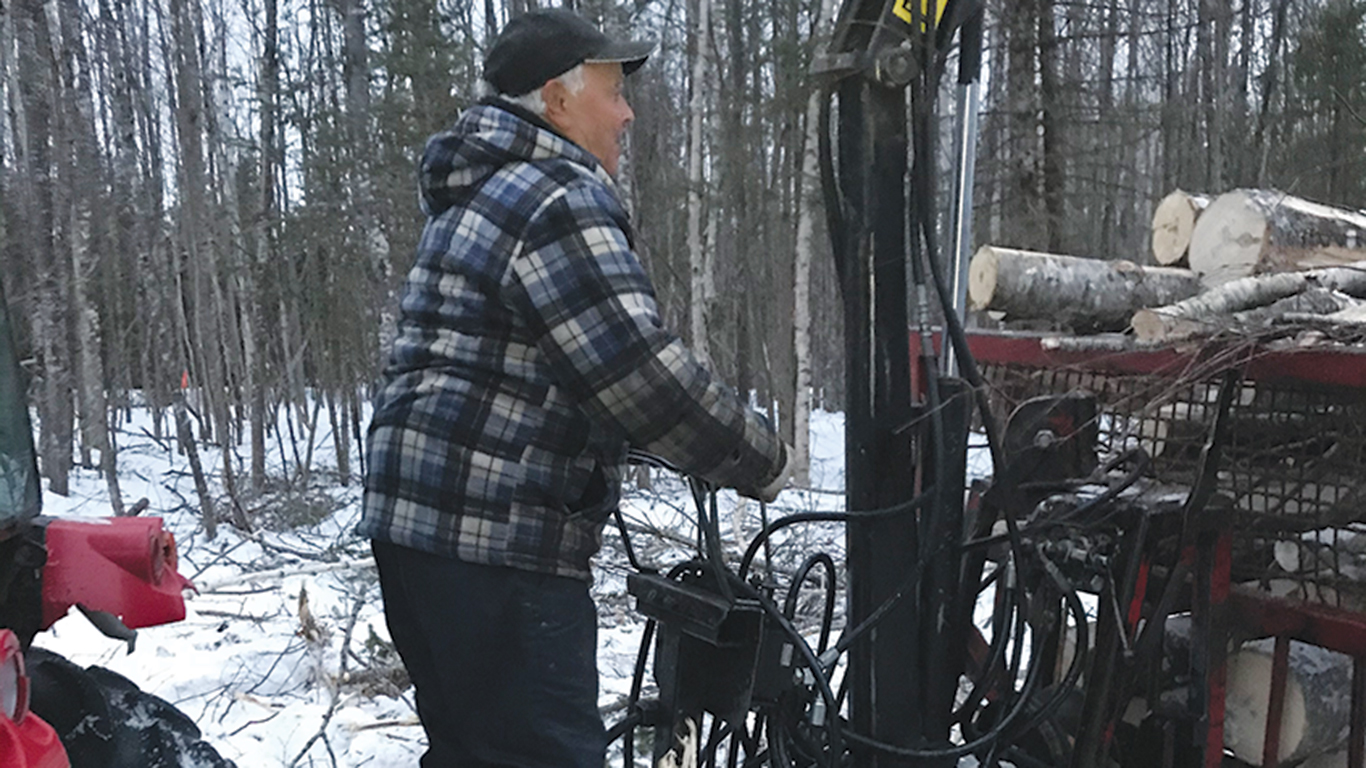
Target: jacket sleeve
(592, 310)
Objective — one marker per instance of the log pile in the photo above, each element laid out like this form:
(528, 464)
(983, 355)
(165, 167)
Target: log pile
(1246, 262)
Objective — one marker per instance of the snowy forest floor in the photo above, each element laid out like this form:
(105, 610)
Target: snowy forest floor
(284, 659)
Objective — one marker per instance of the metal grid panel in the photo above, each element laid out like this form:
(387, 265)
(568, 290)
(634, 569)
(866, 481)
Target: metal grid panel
(1294, 463)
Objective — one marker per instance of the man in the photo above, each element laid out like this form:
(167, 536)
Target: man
(530, 356)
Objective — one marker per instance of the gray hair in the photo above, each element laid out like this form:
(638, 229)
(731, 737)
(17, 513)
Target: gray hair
(534, 102)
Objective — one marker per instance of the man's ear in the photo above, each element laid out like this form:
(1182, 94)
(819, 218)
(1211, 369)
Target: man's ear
(555, 95)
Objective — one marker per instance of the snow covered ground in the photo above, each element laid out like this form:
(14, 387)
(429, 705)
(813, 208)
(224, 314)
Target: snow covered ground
(275, 658)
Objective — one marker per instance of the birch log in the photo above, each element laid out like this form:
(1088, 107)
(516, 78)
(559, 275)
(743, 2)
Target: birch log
(1210, 310)
(1251, 231)
(1083, 293)
(1173, 223)
(1316, 708)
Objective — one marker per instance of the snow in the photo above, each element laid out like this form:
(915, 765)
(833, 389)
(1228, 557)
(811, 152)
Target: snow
(270, 659)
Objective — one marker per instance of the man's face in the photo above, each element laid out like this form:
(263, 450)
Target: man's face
(596, 117)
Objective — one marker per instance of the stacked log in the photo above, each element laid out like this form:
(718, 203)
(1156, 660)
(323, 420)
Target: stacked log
(1173, 223)
(1260, 231)
(1081, 293)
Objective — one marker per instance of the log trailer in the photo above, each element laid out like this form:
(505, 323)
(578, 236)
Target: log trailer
(1149, 510)
(120, 572)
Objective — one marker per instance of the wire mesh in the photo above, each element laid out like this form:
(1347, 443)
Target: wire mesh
(1293, 463)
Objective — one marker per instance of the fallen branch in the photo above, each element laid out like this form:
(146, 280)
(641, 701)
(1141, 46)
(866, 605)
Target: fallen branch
(1209, 310)
(296, 570)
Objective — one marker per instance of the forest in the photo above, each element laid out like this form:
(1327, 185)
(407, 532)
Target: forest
(209, 206)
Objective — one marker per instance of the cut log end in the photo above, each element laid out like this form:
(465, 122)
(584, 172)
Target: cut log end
(1173, 223)
(1149, 325)
(982, 275)
(1228, 239)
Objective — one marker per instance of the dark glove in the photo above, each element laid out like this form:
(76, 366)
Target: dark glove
(775, 486)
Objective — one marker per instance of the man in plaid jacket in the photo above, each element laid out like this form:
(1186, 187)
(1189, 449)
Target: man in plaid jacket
(530, 356)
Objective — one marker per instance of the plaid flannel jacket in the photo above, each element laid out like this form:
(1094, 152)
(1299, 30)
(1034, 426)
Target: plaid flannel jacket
(530, 355)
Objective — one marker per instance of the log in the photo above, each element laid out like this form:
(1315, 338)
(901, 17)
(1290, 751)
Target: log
(1173, 223)
(1209, 310)
(1082, 293)
(1317, 705)
(1255, 231)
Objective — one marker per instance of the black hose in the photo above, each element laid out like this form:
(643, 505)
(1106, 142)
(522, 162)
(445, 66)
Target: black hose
(827, 616)
(824, 517)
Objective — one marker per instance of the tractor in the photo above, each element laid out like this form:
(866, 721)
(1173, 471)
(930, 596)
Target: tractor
(120, 572)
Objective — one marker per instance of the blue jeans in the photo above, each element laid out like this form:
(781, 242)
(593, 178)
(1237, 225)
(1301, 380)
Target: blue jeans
(504, 661)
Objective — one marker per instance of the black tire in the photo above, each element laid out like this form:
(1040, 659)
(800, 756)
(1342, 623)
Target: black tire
(105, 721)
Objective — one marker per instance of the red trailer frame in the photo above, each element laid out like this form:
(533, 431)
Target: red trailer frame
(1220, 605)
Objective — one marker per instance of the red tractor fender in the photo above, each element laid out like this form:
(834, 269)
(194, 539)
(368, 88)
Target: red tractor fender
(125, 566)
(25, 740)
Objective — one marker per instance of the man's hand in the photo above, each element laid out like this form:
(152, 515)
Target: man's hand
(770, 492)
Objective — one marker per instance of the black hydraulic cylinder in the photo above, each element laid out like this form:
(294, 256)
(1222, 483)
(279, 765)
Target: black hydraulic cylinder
(884, 665)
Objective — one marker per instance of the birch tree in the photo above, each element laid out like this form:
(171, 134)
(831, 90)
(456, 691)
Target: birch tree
(702, 268)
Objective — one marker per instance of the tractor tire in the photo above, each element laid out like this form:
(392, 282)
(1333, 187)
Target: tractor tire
(106, 721)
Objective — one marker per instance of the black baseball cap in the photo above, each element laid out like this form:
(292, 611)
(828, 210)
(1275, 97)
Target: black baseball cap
(537, 46)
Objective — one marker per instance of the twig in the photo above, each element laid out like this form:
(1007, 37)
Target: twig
(320, 734)
(231, 615)
(356, 607)
(220, 556)
(240, 592)
(250, 723)
(346, 636)
(406, 722)
(1348, 106)
(257, 538)
(297, 570)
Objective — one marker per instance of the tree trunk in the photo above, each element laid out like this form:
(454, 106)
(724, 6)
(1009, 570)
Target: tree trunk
(1022, 217)
(1082, 293)
(702, 265)
(1252, 231)
(356, 69)
(185, 436)
(1173, 222)
(801, 293)
(267, 90)
(1050, 108)
(81, 160)
(36, 137)
(808, 186)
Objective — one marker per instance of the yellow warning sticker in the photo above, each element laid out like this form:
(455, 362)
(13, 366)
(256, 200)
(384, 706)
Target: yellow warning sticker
(903, 11)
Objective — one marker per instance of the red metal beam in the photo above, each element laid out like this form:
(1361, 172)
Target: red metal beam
(1275, 709)
(1329, 365)
(1321, 625)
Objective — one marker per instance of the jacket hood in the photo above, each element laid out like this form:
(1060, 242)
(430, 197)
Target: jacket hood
(486, 138)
